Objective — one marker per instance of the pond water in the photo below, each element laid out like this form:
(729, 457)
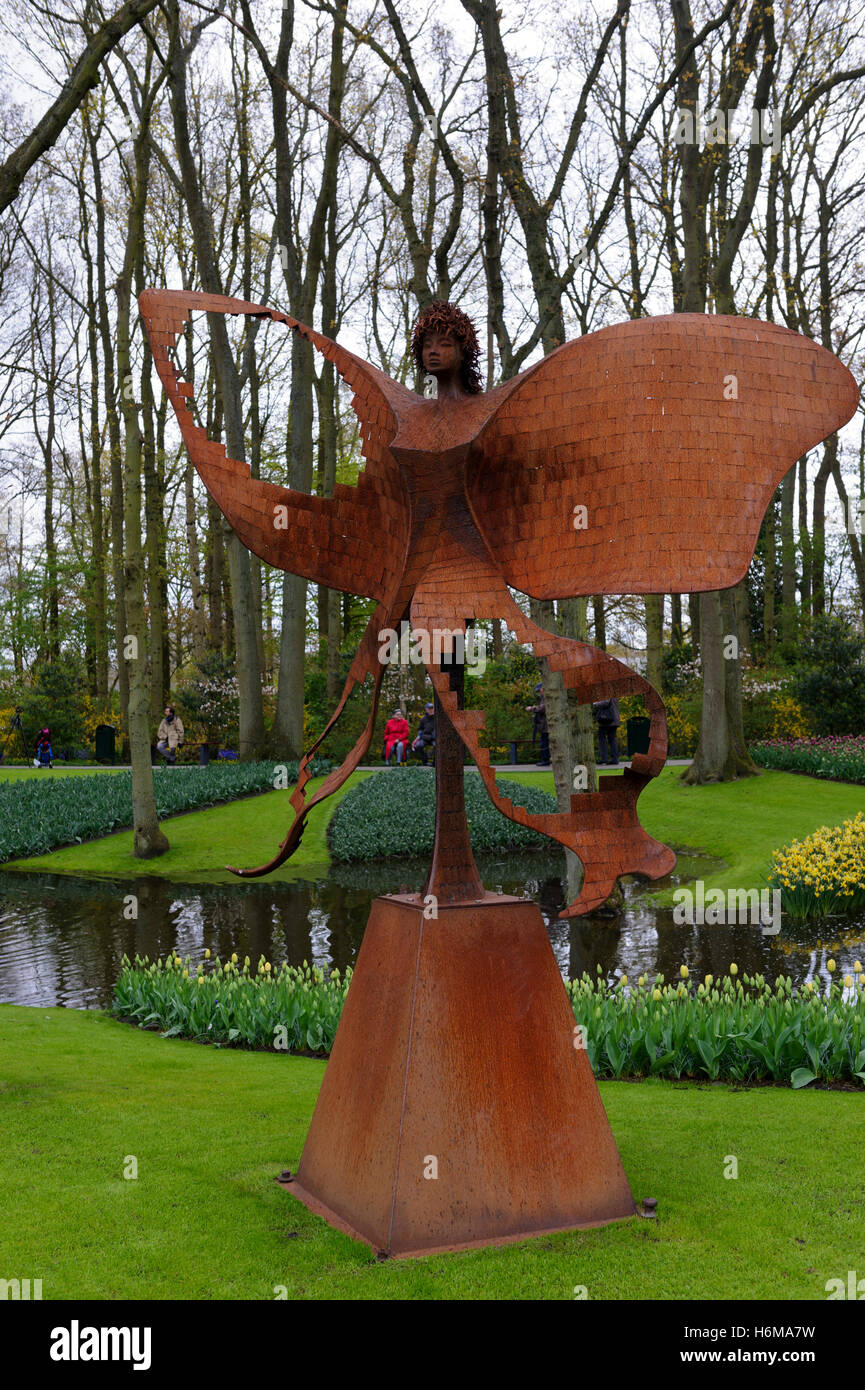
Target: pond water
(62, 938)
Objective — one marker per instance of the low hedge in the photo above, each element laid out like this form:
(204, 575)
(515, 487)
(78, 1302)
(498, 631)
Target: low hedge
(391, 815)
(39, 815)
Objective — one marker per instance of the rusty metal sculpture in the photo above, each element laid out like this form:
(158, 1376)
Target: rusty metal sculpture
(667, 438)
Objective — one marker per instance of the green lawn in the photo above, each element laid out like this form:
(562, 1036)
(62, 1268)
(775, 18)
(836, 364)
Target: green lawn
(13, 774)
(210, 1129)
(243, 833)
(738, 823)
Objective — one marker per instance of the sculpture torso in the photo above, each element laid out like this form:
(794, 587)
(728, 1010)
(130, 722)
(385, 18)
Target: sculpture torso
(432, 449)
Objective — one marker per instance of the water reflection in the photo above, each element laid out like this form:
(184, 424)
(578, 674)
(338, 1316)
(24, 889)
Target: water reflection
(62, 939)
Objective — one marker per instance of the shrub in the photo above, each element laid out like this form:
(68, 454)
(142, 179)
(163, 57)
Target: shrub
(392, 815)
(830, 684)
(54, 698)
(38, 815)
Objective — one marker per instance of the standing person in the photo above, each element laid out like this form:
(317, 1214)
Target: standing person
(169, 736)
(606, 712)
(44, 752)
(539, 728)
(426, 734)
(396, 736)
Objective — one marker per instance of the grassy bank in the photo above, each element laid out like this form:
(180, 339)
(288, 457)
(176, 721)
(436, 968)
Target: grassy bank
(210, 1129)
(243, 833)
(737, 823)
(36, 774)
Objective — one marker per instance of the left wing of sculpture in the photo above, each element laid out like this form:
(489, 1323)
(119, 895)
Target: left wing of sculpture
(354, 541)
(642, 458)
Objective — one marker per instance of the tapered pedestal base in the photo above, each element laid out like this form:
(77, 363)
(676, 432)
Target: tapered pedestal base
(455, 1110)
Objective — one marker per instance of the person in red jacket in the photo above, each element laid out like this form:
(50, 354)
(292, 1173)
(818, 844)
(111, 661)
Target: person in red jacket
(396, 736)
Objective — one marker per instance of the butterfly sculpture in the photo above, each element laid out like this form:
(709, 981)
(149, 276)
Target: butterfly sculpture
(637, 459)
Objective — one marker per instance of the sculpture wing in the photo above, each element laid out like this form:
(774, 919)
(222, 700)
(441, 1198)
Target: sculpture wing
(353, 541)
(671, 432)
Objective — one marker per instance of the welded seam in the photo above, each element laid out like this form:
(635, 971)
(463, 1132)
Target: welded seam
(405, 1084)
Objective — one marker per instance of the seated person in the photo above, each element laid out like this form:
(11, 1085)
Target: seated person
(396, 736)
(426, 734)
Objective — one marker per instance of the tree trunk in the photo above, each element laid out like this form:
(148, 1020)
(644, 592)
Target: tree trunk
(654, 604)
(225, 368)
(789, 617)
(148, 838)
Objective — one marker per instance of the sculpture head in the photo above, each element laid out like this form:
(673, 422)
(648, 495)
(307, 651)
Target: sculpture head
(445, 345)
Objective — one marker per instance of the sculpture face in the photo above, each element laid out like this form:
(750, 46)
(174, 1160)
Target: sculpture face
(442, 355)
(638, 459)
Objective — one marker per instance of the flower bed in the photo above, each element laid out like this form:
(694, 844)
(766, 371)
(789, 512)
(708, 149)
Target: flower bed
(292, 1009)
(824, 873)
(839, 758)
(392, 815)
(729, 1030)
(733, 1029)
(38, 815)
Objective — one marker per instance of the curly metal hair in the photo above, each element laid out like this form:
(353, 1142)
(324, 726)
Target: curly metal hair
(441, 317)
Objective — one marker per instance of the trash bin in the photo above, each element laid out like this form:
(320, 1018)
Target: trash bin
(105, 734)
(206, 752)
(638, 735)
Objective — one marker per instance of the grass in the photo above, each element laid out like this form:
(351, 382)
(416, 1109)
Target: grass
(211, 1128)
(243, 833)
(742, 823)
(14, 774)
(739, 824)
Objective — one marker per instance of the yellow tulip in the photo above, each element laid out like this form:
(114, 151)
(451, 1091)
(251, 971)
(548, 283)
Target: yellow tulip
(830, 966)
(656, 994)
(683, 971)
(207, 954)
(734, 969)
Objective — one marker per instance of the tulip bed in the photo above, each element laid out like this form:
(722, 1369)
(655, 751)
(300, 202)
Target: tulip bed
(733, 1029)
(392, 815)
(839, 757)
(292, 1009)
(730, 1029)
(37, 816)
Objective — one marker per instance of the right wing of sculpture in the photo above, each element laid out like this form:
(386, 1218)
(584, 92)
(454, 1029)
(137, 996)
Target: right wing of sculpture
(354, 541)
(642, 458)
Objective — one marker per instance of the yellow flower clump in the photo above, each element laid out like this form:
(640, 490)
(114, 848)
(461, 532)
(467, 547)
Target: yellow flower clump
(829, 862)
